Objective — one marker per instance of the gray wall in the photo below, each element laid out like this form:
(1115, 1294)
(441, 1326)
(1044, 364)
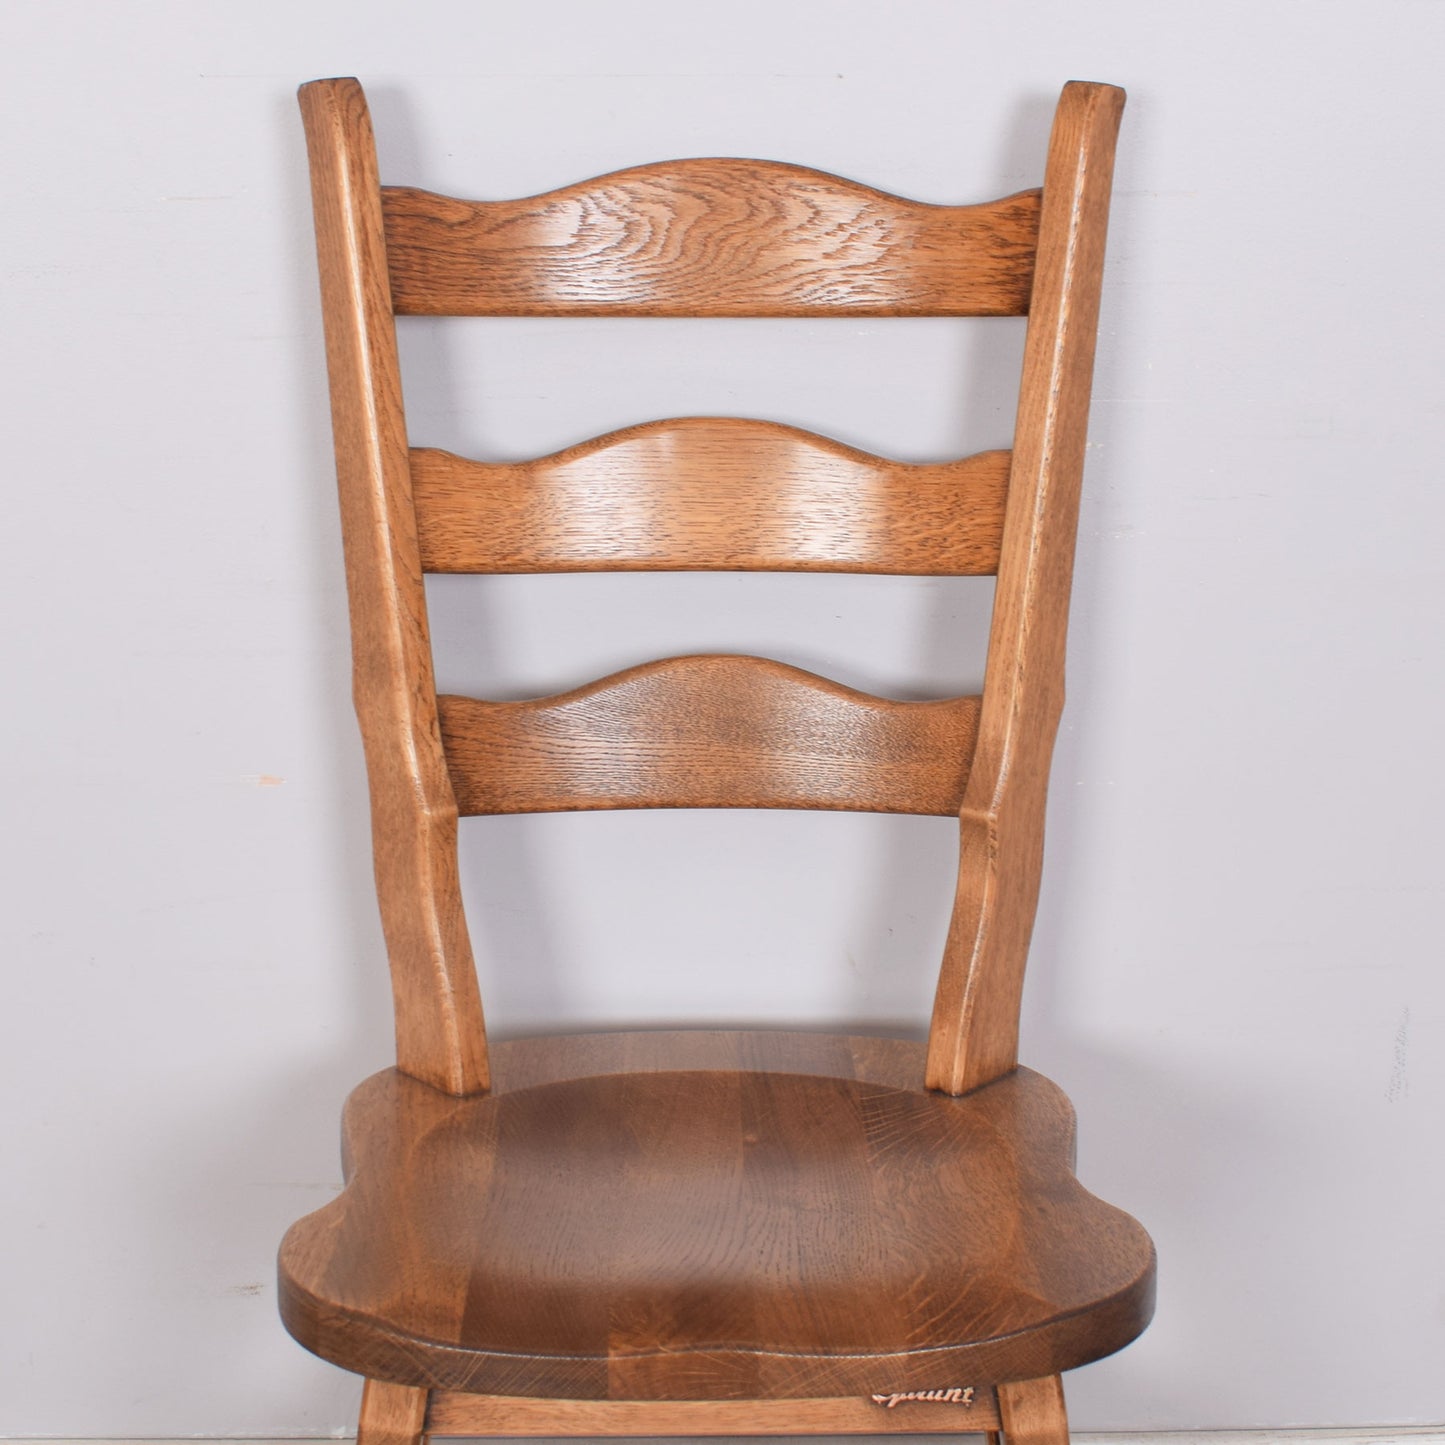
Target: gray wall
(1237, 968)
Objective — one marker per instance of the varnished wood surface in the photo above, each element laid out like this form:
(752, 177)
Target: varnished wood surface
(1033, 1413)
(710, 492)
(974, 1034)
(717, 237)
(439, 1031)
(391, 1414)
(889, 1062)
(683, 1232)
(451, 1413)
(668, 1221)
(709, 732)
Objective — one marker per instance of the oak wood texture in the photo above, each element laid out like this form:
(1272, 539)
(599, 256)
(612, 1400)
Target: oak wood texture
(1032, 1412)
(439, 1031)
(710, 237)
(709, 732)
(974, 1032)
(720, 493)
(680, 1228)
(645, 1233)
(453, 1413)
(391, 1414)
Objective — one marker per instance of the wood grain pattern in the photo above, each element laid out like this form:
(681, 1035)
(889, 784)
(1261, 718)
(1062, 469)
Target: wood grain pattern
(452, 1413)
(709, 732)
(710, 492)
(694, 1233)
(710, 1232)
(974, 1034)
(391, 1414)
(439, 1031)
(1033, 1413)
(888, 1062)
(717, 237)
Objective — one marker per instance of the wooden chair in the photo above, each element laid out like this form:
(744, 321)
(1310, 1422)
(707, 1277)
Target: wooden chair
(703, 1233)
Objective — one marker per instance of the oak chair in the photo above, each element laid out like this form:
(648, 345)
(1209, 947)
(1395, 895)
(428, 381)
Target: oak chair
(706, 1233)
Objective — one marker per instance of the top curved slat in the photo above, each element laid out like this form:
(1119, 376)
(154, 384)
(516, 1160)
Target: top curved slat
(709, 238)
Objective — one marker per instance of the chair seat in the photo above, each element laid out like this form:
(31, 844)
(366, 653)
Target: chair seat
(712, 1216)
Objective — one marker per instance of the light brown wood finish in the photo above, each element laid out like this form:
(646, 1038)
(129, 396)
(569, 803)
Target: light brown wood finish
(889, 1063)
(630, 1229)
(683, 1224)
(439, 1032)
(391, 1414)
(974, 1035)
(710, 492)
(1033, 1413)
(709, 732)
(709, 238)
(452, 1413)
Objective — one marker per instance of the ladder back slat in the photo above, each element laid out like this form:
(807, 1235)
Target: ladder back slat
(718, 237)
(709, 732)
(710, 492)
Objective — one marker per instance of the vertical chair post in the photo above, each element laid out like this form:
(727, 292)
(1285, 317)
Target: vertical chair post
(974, 1033)
(439, 1032)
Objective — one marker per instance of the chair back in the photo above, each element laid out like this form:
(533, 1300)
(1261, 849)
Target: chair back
(708, 238)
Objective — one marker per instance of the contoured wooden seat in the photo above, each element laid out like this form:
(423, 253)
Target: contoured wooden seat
(702, 1232)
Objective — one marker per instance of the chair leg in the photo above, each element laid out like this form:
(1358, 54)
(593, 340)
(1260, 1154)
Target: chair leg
(392, 1414)
(1032, 1412)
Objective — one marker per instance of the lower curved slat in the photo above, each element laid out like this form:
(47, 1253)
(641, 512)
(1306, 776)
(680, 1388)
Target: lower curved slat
(709, 732)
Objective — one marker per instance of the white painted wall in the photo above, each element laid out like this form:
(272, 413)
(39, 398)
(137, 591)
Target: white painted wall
(1237, 969)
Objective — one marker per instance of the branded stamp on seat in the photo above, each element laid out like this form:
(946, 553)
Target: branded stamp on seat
(956, 1395)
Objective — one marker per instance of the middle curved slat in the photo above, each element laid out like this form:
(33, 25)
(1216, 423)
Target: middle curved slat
(709, 732)
(718, 493)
